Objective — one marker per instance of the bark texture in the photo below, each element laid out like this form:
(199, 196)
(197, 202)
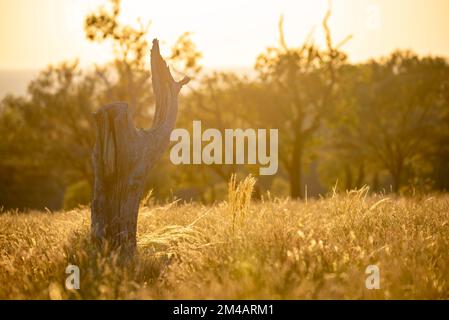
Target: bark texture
(123, 156)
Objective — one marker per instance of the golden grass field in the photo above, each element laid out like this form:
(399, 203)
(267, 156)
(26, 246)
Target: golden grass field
(273, 249)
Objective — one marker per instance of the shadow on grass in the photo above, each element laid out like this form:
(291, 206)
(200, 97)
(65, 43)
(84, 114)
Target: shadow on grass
(107, 273)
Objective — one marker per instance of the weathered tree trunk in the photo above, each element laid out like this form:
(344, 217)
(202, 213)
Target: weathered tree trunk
(123, 155)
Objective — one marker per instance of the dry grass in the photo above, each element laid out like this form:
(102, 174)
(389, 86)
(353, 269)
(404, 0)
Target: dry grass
(279, 249)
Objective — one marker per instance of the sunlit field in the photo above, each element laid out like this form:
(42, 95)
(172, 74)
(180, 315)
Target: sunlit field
(224, 150)
(272, 249)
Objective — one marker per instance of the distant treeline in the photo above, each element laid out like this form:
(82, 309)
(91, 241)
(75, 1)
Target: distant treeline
(383, 123)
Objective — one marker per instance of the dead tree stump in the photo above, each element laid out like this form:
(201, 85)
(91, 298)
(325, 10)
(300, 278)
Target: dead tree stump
(123, 155)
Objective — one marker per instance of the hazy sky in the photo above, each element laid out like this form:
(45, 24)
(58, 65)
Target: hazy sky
(231, 33)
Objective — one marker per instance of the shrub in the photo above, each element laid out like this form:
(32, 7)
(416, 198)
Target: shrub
(79, 193)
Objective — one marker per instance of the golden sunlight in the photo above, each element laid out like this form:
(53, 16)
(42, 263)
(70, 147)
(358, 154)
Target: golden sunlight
(230, 33)
(224, 150)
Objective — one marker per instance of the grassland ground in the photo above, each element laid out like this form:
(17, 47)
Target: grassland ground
(273, 249)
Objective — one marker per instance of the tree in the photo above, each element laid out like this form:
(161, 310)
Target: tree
(344, 160)
(127, 78)
(304, 80)
(224, 100)
(123, 156)
(394, 111)
(47, 137)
